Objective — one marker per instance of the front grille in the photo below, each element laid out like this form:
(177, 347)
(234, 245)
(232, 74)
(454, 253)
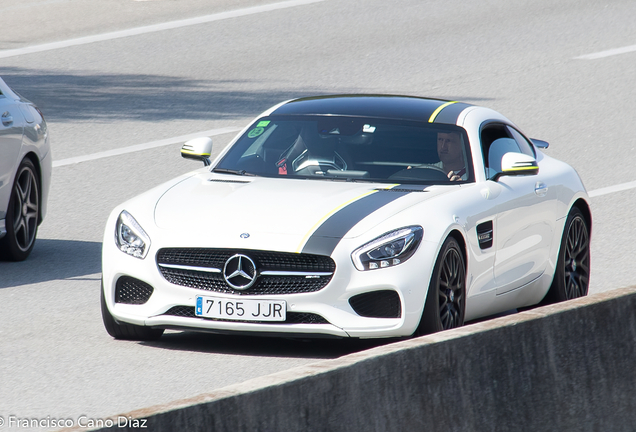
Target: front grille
(132, 291)
(292, 317)
(181, 311)
(377, 304)
(266, 260)
(306, 265)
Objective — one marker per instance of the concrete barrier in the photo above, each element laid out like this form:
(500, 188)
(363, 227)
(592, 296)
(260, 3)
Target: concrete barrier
(565, 367)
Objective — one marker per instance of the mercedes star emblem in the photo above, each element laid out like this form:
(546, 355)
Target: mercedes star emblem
(239, 272)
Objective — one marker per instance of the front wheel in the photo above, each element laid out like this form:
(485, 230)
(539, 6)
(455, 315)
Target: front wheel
(446, 299)
(126, 331)
(572, 273)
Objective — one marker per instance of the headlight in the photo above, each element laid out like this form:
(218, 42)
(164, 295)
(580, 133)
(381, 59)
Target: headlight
(388, 250)
(130, 236)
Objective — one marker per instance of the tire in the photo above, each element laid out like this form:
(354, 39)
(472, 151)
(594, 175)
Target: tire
(446, 299)
(572, 273)
(126, 331)
(23, 214)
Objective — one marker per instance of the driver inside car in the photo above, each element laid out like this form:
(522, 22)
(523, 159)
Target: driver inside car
(451, 158)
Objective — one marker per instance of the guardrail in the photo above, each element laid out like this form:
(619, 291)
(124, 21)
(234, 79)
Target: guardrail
(565, 367)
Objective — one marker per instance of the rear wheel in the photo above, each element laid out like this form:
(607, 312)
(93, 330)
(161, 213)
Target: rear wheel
(446, 299)
(572, 275)
(23, 214)
(126, 331)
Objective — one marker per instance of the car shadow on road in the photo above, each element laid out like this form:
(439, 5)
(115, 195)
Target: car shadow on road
(98, 97)
(266, 346)
(262, 346)
(52, 260)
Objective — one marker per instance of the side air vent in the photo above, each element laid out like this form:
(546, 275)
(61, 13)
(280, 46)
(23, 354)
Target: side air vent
(377, 304)
(485, 234)
(129, 290)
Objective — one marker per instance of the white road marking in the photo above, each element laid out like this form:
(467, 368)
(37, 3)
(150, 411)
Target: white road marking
(608, 53)
(145, 146)
(612, 189)
(155, 28)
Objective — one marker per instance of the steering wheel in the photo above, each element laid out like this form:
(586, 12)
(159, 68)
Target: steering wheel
(421, 172)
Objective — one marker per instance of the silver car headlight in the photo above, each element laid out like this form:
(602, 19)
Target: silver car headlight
(388, 250)
(130, 236)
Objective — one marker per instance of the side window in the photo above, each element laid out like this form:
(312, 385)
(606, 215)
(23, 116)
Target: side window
(524, 146)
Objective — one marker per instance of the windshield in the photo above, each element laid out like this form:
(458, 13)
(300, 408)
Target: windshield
(351, 148)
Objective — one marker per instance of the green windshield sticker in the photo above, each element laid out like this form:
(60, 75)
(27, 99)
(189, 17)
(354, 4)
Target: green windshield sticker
(263, 123)
(255, 132)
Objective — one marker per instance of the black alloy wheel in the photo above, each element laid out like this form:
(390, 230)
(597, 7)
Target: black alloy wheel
(23, 214)
(577, 259)
(572, 275)
(446, 299)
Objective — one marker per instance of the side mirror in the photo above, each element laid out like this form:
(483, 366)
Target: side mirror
(198, 149)
(513, 164)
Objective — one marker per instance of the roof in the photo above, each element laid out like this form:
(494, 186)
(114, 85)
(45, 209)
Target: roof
(379, 106)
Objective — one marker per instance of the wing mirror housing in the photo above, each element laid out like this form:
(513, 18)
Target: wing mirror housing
(540, 143)
(514, 164)
(198, 149)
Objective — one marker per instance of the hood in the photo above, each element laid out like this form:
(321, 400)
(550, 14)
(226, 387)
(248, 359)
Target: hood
(282, 214)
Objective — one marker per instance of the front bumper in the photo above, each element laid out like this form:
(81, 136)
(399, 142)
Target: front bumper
(326, 312)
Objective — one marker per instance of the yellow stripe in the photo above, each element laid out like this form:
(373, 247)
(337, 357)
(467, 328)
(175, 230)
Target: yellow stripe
(332, 212)
(194, 153)
(437, 111)
(522, 168)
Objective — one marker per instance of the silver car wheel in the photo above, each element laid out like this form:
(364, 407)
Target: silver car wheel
(23, 213)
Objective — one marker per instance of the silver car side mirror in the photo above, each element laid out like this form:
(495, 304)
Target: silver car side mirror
(198, 149)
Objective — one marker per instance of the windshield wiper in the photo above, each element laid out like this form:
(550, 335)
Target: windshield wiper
(232, 171)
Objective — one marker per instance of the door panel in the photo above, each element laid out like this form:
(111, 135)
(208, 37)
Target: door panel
(525, 229)
(11, 124)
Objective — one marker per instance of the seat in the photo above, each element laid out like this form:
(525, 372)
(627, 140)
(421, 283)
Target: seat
(312, 154)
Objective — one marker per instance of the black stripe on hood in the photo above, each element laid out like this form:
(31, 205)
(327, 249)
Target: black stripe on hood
(324, 240)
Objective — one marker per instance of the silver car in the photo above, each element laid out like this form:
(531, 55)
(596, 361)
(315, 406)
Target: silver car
(25, 173)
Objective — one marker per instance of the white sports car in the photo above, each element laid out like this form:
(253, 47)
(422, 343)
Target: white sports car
(350, 216)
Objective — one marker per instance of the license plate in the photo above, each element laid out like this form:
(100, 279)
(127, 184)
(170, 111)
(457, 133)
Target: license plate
(241, 310)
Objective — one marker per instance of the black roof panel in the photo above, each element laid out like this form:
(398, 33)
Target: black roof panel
(380, 106)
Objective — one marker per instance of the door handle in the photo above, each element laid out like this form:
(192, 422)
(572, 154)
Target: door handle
(7, 118)
(540, 189)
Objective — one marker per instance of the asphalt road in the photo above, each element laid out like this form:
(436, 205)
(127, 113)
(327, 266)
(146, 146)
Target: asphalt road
(219, 65)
